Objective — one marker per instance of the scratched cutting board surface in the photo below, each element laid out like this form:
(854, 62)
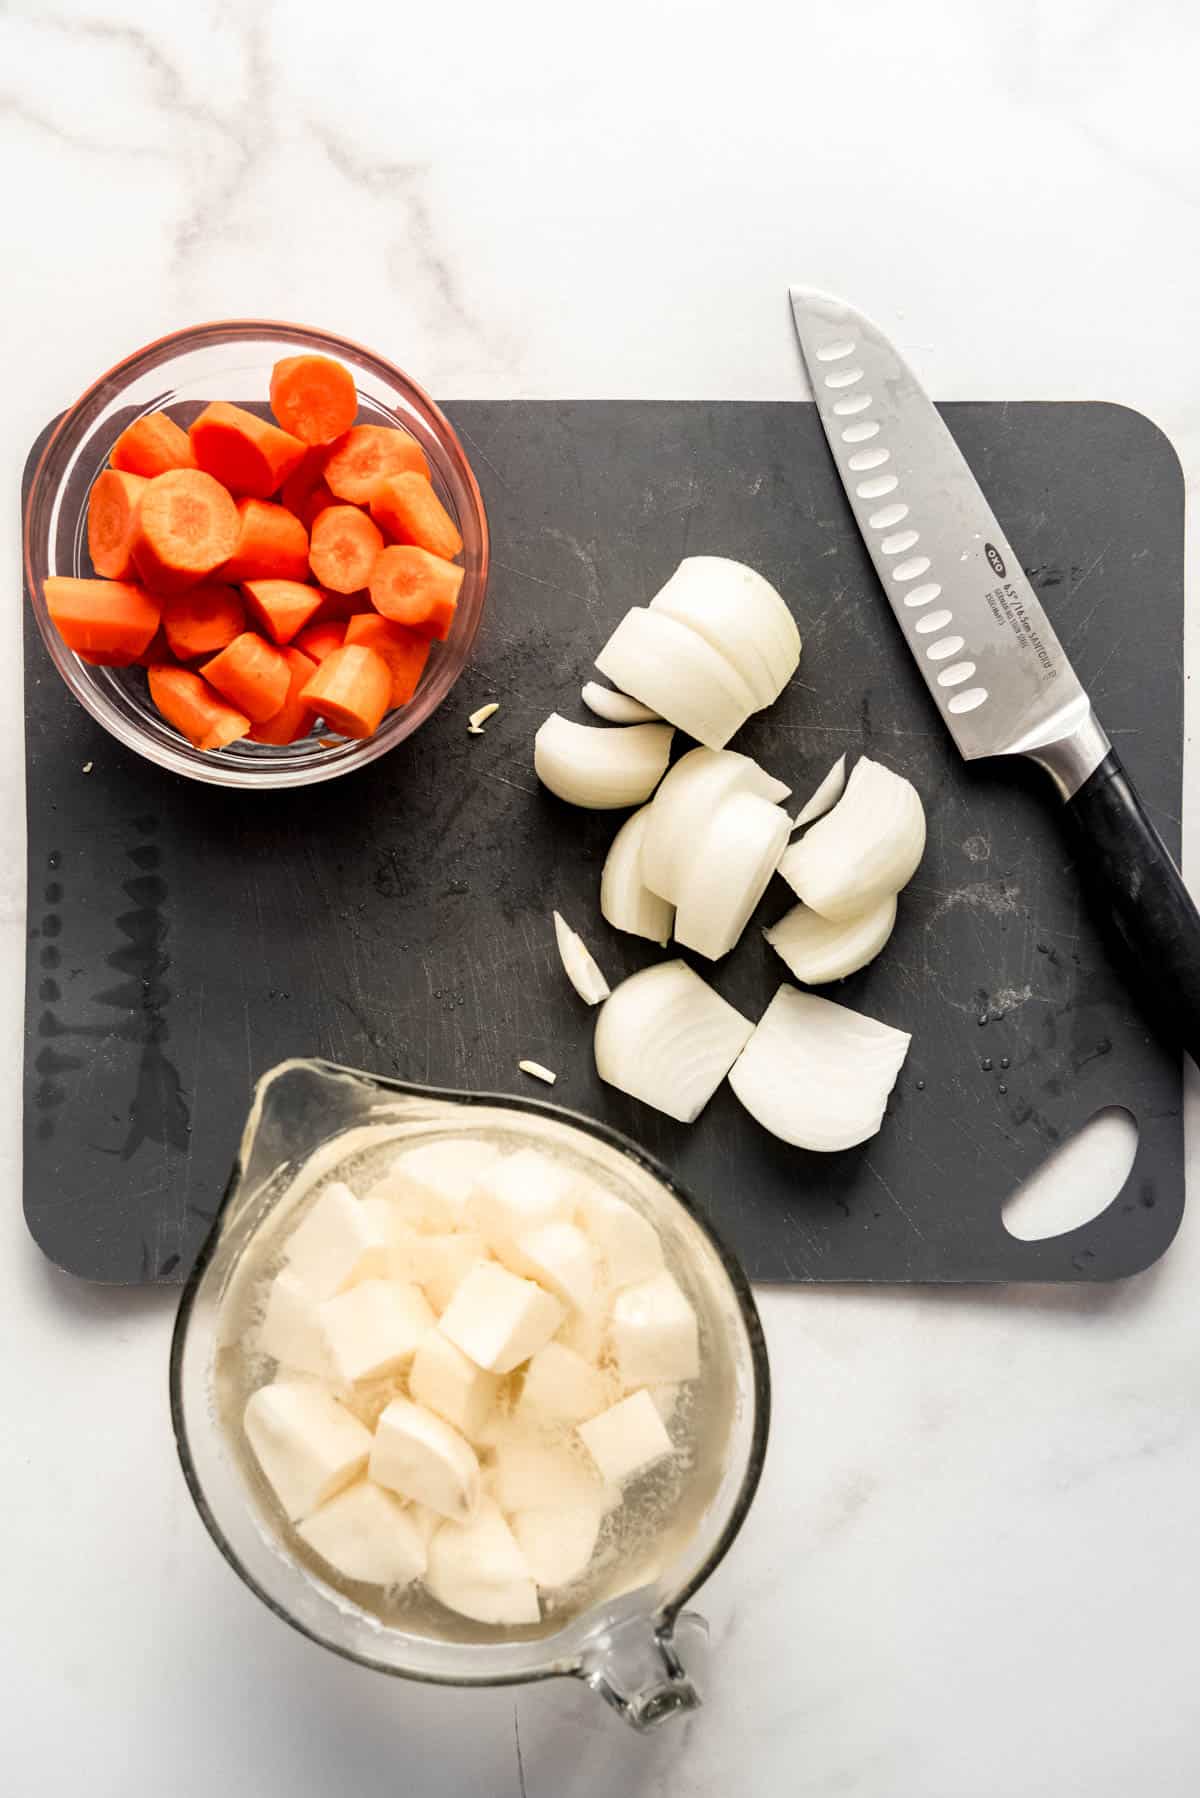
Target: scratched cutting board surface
(183, 939)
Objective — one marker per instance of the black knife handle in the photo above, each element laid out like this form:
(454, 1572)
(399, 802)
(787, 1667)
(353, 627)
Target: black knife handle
(1129, 871)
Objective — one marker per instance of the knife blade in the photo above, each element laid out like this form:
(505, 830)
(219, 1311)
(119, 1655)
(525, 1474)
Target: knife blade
(980, 636)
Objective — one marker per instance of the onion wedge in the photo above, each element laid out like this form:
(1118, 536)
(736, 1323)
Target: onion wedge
(666, 1038)
(741, 615)
(817, 950)
(618, 708)
(678, 674)
(626, 902)
(728, 871)
(579, 964)
(587, 765)
(684, 804)
(826, 795)
(868, 846)
(816, 1074)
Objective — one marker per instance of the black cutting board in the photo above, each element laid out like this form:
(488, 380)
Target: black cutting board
(183, 938)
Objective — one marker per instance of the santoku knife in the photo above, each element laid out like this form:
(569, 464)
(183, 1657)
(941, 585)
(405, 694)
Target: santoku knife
(987, 651)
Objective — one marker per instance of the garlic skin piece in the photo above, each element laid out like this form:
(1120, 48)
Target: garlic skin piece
(867, 847)
(579, 964)
(817, 950)
(626, 902)
(826, 795)
(666, 1038)
(601, 768)
(617, 708)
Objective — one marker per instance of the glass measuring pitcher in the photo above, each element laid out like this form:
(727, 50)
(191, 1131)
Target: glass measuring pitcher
(627, 1638)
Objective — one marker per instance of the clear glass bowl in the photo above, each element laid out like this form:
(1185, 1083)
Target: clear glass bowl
(232, 360)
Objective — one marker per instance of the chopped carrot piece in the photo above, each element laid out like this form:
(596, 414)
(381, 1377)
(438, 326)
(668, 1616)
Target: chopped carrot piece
(187, 525)
(314, 504)
(111, 522)
(351, 690)
(341, 605)
(409, 586)
(252, 675)
(319, 640)
(361, 458)
(152, 445)
(313, 397)
(248, 454)
(102, 618)
(197, 713)
(343, 549)
(407, 508)
(157, 650)
(405, 651)
(202, 620)
(305, 478)
(281, 608)
(272, 544)
(294, 718)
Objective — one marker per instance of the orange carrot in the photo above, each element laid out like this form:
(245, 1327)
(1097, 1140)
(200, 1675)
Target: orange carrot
(305, 478)
(314, 504)
(405, 652)
(102, 618)
(251, 456)
(351, 690)
(409, 586)
(294, 718)
(187, 525)
(252, 675)
(157, 650)
(281, 608)
(202, 620)
(152, 445)
(272, 544)
(313, 397)
(112, 506)
(343, 549)
(320, 640)
(407, 508)
(197, 713)
(341, 605)
(361, 458)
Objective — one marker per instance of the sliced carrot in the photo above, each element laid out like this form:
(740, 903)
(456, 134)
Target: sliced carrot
(102, 618)
(251, 456)
(152, 445)
(294, 718)
(343, 548)
(197, 713)
(364, 455)
(409, 586)
(272, 544)
(405, 652)
(341, 605)
(314, 505)
(187, 525)
(156, 651)
(351, 690)
(203, 620)
(252, 675)
(320, 640)
(304, 479)
(281, 608)
(111, 522)
(407, 508)
(313, 397)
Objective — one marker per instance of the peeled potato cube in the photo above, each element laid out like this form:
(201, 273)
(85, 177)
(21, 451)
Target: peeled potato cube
(374, 1328)
(558, 1256)
(448, 1170)
(526, 1473)
(444, 1263)
(446, 1381)
(587, 1331)
(335, 1244)
(654, 1333)
(520, 1192)
(626, 1243)
(307, 1445)
(290, 1331)
(627, 1438)
(561, 1387)
(557, 1541)
(478, 1570)
(499, 1319)
(366, 1534)
(419, 1455)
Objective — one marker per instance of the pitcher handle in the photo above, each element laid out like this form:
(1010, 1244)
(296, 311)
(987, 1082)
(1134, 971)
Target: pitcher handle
(636, 1667)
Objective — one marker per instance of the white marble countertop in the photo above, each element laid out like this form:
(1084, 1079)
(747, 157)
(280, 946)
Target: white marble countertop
(973, 1568)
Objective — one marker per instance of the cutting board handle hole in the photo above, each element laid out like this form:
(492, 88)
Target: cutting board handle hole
(1077, 1182)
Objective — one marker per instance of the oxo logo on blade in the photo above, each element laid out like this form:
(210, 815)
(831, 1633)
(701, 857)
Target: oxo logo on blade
(996, 559)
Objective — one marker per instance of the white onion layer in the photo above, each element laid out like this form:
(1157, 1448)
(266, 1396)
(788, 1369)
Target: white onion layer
(618, 708)
(818, 950)
(626, 902)
(602, 769)
(698, 783)
(741, 615)
(868, 846)
(579, 964)
(727, 872)
(826, 795)
(678, 674)
(666, 1038)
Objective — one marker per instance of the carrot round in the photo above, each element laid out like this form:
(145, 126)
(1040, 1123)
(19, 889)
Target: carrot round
(319, 640)
(202, 620)
(343, 548)
(409, 586)
(304, 479)
(294, 718)
(405, 651)
(248, 454)
(351, 690)
(197, 713)
(365, 454)
(272, 544)
(313, 397)
(187, 525)
(111, 522)
(407, 508)
(252, 675)
(314, 504)
(114, 619)
(281, 608)
(152, 445)
(341, 605)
